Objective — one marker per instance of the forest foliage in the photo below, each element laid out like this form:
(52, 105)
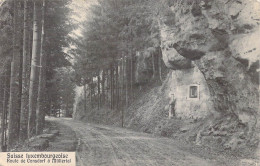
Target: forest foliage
(118, 53)
(33, 36)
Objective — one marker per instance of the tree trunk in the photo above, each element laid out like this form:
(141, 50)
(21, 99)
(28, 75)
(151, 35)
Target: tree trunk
(3, 115)
(107, 87)
(103, 88)
(91, 92)
(6, 82)
(160, 64)
(123, 80)
(14, 111)
(126, 83)
(99, 102)
(85, 98)
(21, 40)
(29, 44)
(41, 107)
(24, 101)
(34, 74)
(20, 87)
(66, 110)
(111, 86)
(153, 63)
(131, 76)
(123, 77)
(2, 99)
(117, 86)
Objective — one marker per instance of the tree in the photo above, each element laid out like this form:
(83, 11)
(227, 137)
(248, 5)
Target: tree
(5, 93)
(40, 112)
(34, 72)
(14, 110)
(25, 74)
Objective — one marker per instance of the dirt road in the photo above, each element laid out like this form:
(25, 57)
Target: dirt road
(110, 146)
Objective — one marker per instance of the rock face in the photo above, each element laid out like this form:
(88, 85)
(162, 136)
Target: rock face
(221, 39)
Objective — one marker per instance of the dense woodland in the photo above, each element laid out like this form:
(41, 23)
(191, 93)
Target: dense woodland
(38, 76)
(33, 37)
(108, 54)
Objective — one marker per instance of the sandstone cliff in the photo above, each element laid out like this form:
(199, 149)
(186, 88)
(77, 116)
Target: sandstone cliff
(221, 39)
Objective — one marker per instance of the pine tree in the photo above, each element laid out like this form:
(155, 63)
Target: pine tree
(34, 72)
(14, 111)
(6, 89)
(24, 100)
(40, 112)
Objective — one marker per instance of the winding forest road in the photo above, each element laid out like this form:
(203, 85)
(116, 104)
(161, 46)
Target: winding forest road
(102, 145)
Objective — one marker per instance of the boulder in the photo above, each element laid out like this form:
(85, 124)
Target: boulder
(184, 129)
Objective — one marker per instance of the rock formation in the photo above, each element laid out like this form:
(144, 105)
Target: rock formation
(221, 38)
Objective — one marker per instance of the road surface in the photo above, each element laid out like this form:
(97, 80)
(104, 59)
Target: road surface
(110, 146)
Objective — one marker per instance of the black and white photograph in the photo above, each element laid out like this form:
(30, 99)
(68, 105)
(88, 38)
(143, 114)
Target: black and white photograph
(129, 82)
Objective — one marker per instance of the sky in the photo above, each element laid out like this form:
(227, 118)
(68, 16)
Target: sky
(80, 11)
